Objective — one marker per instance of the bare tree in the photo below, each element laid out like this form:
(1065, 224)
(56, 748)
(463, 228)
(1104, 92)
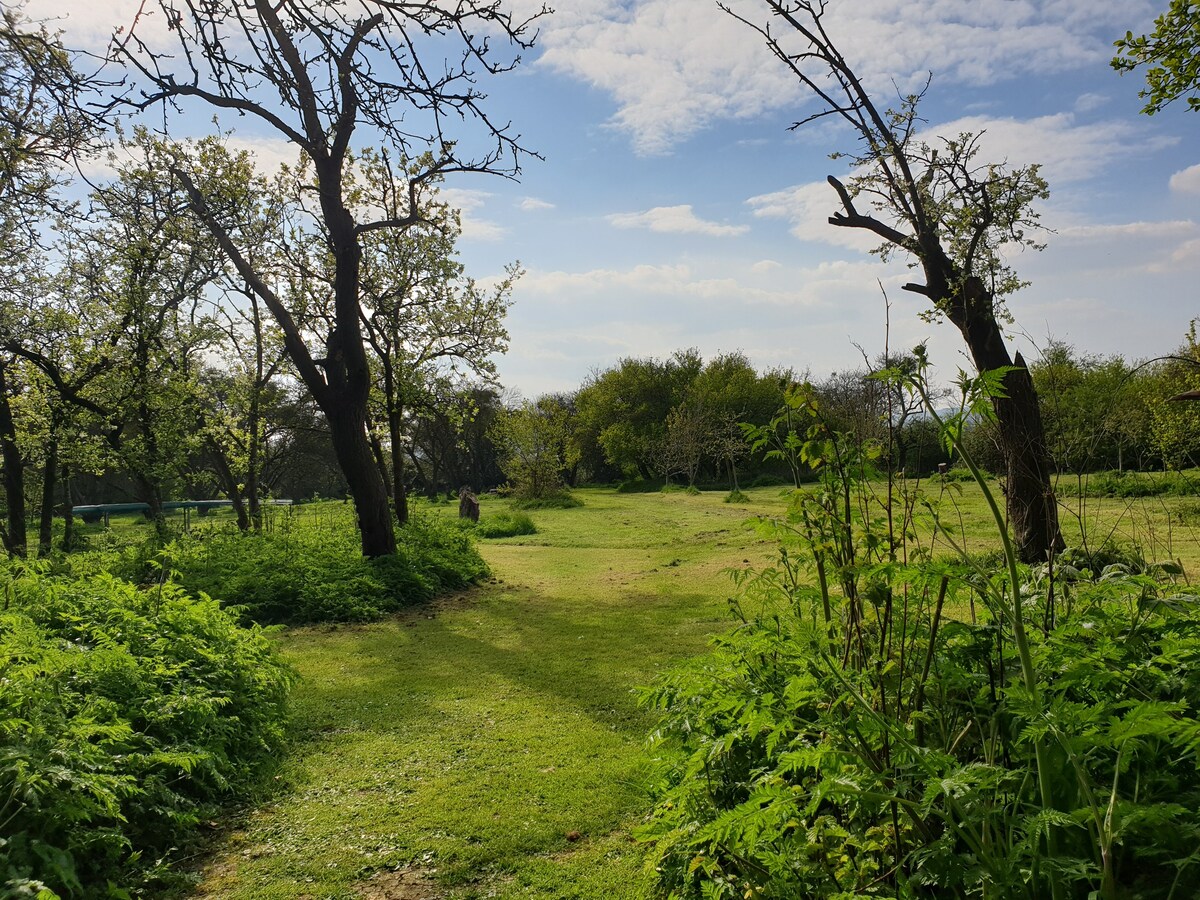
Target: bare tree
(936, 203)
(314, 72)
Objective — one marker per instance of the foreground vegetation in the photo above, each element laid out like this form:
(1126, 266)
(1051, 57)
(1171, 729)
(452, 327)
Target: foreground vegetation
(493, 744)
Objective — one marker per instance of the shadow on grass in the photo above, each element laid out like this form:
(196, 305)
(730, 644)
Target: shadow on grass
(414, 663)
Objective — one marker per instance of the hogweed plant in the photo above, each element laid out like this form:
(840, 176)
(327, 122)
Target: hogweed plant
(887, 720)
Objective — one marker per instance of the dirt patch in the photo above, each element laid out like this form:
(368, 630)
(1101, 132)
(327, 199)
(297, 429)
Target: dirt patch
(403, 884)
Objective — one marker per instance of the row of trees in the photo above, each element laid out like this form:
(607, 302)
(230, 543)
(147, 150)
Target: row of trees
(689, 420)
(161, 319)
(136, 360)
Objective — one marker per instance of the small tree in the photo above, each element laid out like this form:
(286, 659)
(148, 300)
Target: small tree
(690, 439)
(534, 443)
(938, 204)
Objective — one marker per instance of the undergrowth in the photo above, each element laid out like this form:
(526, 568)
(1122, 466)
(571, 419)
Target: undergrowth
(297, 574)
(128, 715)
(1131, 484)
(505, 523)
(883, 723)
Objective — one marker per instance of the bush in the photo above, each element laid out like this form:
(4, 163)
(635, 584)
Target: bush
(505, 524)
(1129, 485)
(768, 480)
(308, 574)
(561, 500)
(129, 715)
(639, 486)
(796, 782)
(736, 496)
(931, 729)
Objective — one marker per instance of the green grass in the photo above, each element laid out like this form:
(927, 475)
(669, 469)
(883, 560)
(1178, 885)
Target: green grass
(467, 740)
(472, 738)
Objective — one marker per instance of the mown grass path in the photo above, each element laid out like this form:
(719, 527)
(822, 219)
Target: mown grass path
(492, 746)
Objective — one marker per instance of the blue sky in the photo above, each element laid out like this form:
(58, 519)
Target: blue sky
(674, 208)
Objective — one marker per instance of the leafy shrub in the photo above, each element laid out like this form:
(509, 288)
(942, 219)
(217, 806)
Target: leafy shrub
(736, 496)
(804, 778)
(313, 575)
(505, 524)
(768, 480)
(639, 486)
(1129, 485)
(931, 729)
(561, 500)
(128, 716)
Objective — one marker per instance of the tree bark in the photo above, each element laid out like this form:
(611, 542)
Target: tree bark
(348, 428)
(399, 488)
(15, 540)
(68, 540)
(49, 483)
(1029, 495)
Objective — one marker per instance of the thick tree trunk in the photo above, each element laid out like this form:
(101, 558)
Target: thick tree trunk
(348, 428)
(1029, 495)
(15, 540)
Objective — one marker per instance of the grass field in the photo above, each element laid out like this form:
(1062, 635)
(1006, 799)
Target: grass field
(492, 746)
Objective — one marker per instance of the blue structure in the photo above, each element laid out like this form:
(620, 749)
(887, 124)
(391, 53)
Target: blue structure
(101, 511)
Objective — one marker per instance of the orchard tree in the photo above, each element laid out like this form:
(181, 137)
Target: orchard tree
(939, 205)
(534, 443)
(314, 73)
(41, 130)
(1171, 54)
(424, 318)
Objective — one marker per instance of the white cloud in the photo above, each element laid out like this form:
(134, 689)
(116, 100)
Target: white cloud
(533, 204)
(764, 265)
(1066, 151)
(269, 153)
(1089, 102)
(468, 202)
(1156, 231)
(817, 285)
(807, 207)
(1186, 181)
(673, 68)
(675, 220)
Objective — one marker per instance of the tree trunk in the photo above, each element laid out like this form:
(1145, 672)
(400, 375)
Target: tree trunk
(1029, 495)
(15, 540)
(68, 541)
(229, 481)
(253, 451)
(381, 463)
(348, 429)
(49, 483)
(399, 488)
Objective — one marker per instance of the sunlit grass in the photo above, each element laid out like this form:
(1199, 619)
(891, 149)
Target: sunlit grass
(493, 742)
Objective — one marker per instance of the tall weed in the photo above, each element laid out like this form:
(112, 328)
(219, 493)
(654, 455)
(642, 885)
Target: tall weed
(884, 723)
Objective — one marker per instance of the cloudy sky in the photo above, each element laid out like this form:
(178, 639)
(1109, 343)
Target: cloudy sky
(675, 208)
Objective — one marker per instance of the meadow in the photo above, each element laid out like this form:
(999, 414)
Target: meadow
(491, 744)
